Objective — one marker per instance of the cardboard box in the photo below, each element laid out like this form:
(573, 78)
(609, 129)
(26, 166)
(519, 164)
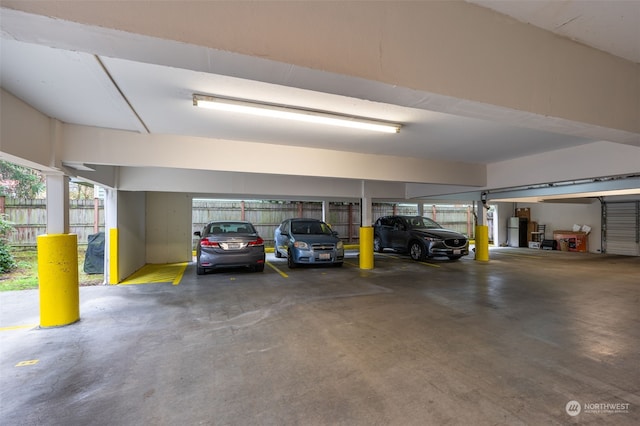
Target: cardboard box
(572, 241)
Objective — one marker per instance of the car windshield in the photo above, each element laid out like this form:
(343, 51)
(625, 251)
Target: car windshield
(422, 223)
(230, 228)
(311, 227)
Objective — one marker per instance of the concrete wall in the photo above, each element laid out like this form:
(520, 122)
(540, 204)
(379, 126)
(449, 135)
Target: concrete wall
(132, 233)
(168, 227)
(596, 159)
(83, 144)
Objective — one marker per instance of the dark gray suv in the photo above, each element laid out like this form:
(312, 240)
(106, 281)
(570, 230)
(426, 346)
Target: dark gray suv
(419, 236)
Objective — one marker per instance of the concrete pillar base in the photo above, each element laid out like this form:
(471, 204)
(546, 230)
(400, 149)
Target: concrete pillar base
(482, 243)
(58, 279)
(366, 247)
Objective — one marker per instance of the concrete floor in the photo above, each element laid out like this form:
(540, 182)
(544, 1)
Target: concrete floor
(511, 341)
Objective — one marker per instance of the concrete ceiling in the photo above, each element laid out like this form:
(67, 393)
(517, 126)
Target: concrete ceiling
(611, 26)
(44, 63)
(76, 88)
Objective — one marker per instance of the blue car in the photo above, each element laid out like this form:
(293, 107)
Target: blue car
(308, 241)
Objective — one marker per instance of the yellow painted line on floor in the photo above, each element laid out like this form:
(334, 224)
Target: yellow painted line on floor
(398, 257)
(277, 270)
(28, 362)
(18, 327)
(392, 255)
(178, 277)
(155, 274)
(429, 264)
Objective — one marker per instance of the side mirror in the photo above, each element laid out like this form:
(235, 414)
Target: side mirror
(334, 233)
(197, 234)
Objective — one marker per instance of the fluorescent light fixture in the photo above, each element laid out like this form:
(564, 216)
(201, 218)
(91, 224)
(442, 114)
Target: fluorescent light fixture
(293, 113)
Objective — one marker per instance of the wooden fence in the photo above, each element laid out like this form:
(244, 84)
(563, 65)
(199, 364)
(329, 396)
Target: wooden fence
(344, 218)
(86, 217)
(29, 217)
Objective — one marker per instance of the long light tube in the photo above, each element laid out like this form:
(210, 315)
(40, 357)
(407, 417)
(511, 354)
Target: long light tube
(292, 113)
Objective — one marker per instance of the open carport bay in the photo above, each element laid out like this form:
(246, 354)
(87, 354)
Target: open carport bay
(511, 341)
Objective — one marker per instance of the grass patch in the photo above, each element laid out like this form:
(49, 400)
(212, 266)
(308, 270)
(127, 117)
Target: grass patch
(25, 276)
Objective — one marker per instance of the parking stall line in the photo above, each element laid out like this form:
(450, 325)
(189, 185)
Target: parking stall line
(433, 265)
(404, 259)
(272, 266)
(18, 327)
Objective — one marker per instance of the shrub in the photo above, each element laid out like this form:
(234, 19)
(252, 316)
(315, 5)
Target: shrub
(7, 263)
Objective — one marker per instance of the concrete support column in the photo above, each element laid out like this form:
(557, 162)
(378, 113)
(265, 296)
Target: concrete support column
(366, 247)
(366, 230)
(366, 207)
(325, 209)
(481, 213)
(482, 233)
(57, 204)
(58, 279)
(111, 270)
(420, 209)
(58, 260)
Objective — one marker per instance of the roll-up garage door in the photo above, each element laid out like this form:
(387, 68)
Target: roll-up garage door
(622, 228)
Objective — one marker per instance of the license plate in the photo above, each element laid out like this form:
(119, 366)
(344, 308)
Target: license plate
(457, 251)
(325, 256)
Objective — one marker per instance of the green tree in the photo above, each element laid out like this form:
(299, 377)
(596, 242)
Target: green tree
(20, 182)
(80, 191)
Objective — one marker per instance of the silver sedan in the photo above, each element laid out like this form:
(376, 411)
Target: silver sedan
(229, 244)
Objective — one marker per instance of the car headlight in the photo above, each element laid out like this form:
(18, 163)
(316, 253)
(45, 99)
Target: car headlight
(433, 239)
(301, 245)
(340, 245)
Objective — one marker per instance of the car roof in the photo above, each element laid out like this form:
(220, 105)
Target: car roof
(228, 221)
(402, 216)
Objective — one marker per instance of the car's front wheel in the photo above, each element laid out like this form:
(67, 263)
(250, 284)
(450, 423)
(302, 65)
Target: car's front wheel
(290, 263)
(417, 251)
(377, 245)
(200, 271)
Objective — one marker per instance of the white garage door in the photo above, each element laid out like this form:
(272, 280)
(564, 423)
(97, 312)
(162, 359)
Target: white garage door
(622, 228)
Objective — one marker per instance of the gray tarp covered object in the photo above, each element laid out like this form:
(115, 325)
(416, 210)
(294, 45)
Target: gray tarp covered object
(94, 258)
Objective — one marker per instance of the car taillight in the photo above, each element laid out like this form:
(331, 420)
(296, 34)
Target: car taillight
(206, 243)
(257, 242)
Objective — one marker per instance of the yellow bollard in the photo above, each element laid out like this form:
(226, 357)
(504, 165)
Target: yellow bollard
(366, 247)
(482, 243)
(58, 279)
(113, 256)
